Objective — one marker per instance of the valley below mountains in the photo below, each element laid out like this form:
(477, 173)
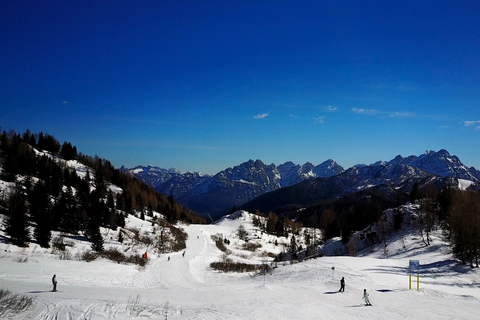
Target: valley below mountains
(253, 185)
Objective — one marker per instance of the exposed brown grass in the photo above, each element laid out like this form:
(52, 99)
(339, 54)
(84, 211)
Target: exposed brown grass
(251, 246)
(229, 266)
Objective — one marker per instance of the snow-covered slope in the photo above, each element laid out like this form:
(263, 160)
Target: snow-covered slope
(175, 287)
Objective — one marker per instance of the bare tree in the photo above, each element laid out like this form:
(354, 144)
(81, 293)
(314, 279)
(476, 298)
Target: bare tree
(383, 228)
(464, 225)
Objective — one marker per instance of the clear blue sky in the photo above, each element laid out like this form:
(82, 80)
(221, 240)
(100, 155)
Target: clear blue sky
(206, 85)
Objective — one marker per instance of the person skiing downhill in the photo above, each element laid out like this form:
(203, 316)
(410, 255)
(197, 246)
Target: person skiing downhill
(54, 282)
(342, 285)
(365, 297)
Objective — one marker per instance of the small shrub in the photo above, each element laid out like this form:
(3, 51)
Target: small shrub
(87, 256)
(220, 245)
(13, 304)
(269, 254)
(229, 266)
(58, 243)
(251, 246)
(172, 239)
(180, 239)
(136, 259)
(119, 257)
(21, 259)
(114, 255)
(136, 308)
(64, 255)
(242, 233)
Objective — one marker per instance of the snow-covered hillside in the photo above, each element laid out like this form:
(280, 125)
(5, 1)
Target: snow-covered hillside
(173, 286)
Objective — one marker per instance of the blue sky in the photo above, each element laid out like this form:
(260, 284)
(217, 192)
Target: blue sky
(206, 85)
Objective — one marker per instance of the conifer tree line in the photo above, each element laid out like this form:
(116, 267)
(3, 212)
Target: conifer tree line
(446, 208)
(53, 196)
(456, 212)
(275, 225)
(462, 216)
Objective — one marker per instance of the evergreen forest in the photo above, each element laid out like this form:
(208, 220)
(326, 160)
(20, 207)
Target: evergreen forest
(51, 196)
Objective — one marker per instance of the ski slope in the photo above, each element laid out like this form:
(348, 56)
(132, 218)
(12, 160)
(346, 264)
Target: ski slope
(185, 287)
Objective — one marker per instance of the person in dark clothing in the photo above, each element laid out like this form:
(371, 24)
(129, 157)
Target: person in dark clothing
(54, 282)
(366, 298)
(342, 285)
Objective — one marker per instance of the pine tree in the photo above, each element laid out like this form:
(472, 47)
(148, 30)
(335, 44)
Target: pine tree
(120, 236)
(93, 235)
(271, 222)
(110, 218)
(17, 220)
(66, 212)
(68, 152)
(40, 213)
(415, 193)
(280, 227)
(293, 246)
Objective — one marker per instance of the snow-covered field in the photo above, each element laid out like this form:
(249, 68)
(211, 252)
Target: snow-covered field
(187, 288)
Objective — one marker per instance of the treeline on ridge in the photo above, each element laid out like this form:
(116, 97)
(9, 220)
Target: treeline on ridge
(456, 212)
(54, 197)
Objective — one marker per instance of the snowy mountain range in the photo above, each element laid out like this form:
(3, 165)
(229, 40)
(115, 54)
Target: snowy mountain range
(238, 185)
(231, 187)
(387, 179)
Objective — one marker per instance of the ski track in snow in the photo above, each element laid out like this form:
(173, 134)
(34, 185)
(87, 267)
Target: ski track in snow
(67, 309)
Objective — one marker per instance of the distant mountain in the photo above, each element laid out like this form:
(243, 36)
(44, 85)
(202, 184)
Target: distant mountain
(241, 185)
(440, 163)
(291, 173)
(216, 194)
(386, 178)
(152, 175)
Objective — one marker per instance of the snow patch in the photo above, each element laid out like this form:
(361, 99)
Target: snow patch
(464, 184)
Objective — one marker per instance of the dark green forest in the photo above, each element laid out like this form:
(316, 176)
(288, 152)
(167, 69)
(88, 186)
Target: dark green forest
(51, 196)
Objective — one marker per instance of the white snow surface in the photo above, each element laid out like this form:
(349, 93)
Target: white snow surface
(464, 184)
(187, 288)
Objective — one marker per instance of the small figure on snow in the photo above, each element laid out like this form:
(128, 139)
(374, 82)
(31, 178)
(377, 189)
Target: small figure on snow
(54, 282)
(365, 297)
(168, 258)
(342, 285)
(183, 254)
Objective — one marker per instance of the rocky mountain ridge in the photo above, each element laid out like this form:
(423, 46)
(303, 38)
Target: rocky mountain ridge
(235, 186)
(232, 186)
(389, 180)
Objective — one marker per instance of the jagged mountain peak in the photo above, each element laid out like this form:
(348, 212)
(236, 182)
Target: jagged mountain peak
(239, 184)
(440, 163)
(233, 185)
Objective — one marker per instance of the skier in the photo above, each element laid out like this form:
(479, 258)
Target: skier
(365, 297)
(54, 282)
(342, 285)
